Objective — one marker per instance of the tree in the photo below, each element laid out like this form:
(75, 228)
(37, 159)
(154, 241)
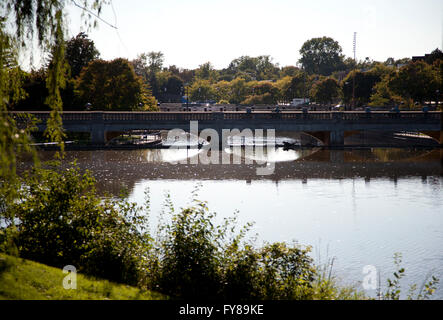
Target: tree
(326, 90)
(174, 85)
(253, 68)
(418, 81)
(170, 87)
(321, 56)
(113, 86)
(366, 64)
(266, 69)
(284, 89)
(435, 55)
(206, 72)
(147, 65)
(382, 95)
(238, 90)
(358, 85)
(34, 84)
(46, 20)
(261, 92)
(155, 61)
(222, 90)
(140, 65)
(289, 71)
(79, 52)
(201, 90)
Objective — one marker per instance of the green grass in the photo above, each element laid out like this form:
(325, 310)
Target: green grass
(22, 279)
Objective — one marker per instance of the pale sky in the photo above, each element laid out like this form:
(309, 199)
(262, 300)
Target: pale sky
(192, 32)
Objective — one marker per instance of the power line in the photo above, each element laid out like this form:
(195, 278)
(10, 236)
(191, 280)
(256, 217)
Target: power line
(116, 29)
(92, 13)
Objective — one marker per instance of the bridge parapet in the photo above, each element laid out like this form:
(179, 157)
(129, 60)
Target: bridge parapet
(202, 116)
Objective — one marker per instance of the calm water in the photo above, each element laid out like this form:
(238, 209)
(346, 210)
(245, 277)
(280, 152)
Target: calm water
(358, 207)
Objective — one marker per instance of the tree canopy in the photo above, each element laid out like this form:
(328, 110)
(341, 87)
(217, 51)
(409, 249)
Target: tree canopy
(112, 85)
(321, 56)
(326, 90)
(80, 50)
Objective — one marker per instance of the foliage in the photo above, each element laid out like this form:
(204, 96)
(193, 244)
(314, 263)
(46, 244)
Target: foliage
(112, 85)
(14, 137)
(382, 95)
(63, 222)
(288, 71)
(155, 61)
(418, 81)
(34, 85)
(80, 51)
(359, 85)
(222, 91)
(321, 56)
(253, 68)
(238, 90)
(206, 72)
(326, 91)
(46, 19)
(261, 92)
(434, 56)
(393, 288)
(198, 259)
(56, 81)
(201, 90)
(140, 65)
(294, 87)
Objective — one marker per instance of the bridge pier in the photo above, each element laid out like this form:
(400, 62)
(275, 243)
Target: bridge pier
(337, 138)
(98, 135)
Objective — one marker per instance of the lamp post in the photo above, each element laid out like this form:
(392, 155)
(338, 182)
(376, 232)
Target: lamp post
(187, 95)
(353, 92)
(437, 96)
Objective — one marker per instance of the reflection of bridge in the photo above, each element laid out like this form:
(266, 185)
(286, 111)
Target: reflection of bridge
(114, 168)
(330, 127)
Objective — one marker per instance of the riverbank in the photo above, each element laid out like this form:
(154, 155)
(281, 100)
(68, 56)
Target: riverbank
(22, 279)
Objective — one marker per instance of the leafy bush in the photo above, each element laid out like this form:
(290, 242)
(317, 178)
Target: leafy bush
(393, 287)
(197, 259)
(61, 221)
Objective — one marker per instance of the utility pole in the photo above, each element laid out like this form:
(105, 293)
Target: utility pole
(355, 64)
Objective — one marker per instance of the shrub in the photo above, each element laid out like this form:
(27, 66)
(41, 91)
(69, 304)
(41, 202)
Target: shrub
(198, 259)
(61, 221)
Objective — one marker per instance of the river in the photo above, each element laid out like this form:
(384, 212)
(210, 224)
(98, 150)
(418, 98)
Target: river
(358, 207)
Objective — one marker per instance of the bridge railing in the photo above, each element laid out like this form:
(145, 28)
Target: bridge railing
(209, 116)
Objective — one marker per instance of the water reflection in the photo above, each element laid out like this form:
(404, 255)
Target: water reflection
(114, 168)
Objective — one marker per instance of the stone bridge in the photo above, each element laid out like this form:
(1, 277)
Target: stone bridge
(330, 127)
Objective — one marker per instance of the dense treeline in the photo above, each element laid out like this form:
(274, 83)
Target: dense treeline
(323, 75)
(90, 82)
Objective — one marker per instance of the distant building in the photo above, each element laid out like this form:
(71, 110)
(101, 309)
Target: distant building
(420, 58)
(429, 57)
